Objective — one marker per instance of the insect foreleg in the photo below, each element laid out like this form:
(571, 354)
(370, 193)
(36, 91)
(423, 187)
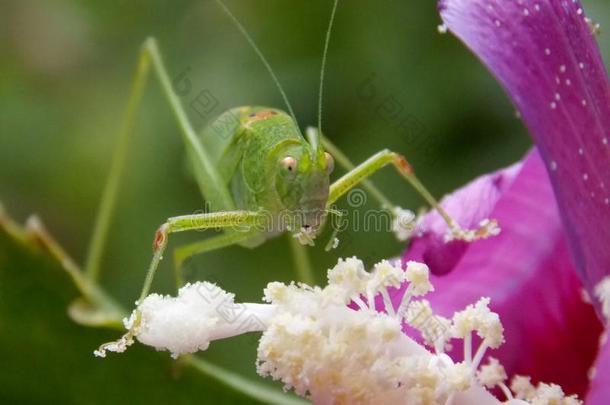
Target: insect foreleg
(228, 219)
(343, 161)
(378, 161)
(241, 220)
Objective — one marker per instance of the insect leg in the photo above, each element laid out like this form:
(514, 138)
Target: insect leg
(227, 219)
(384, 158)
(110, 193)
(207, 176)
(347, 164)
(181, 253)
(209, 180)
(240, 220)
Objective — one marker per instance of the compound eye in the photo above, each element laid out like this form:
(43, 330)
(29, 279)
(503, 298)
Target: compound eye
(330, 162)
(289, 164)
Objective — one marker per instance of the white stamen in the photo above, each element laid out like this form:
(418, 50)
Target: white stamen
(492, 373)
(327, 352)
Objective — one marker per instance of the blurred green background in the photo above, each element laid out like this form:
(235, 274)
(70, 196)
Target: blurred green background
(65, 70)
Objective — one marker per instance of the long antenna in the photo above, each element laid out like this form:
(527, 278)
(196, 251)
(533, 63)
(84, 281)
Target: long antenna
(256, 49)
(323, 68)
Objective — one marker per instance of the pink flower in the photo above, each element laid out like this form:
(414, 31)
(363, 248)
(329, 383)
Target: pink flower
(553, 208)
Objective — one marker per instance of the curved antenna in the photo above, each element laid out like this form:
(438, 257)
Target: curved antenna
(323, 68)
(256, 49)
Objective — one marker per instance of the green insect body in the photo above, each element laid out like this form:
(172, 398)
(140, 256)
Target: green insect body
(269, 167)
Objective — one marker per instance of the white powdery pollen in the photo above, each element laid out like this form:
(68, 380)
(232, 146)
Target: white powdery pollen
(541, 394)
(522, 387)
(183, 324)
(487, 228)
(403, 224)
(492, 374)
(418, 275)
(350, 275)
(385, 275)
(602, 292)
(364, 359)
(201, 312)
(478, 318)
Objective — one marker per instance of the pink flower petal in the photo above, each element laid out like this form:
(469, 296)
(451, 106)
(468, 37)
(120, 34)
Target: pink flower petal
(599, 394)
(545, 56)
(468, 206)
(551, 333)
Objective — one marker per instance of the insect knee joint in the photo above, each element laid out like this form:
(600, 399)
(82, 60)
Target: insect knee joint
(403, 164)
(161, 237)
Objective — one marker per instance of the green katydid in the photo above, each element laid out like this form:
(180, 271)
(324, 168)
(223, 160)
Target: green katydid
(253, 166)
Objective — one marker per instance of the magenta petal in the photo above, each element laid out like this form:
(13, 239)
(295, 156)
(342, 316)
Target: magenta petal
(545, 56)
(551, 333)
(599, 393)
(468, 206)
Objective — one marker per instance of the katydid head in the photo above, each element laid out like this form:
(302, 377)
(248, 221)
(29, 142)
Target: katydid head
(302, 185)
(302, 169)
(310, 182)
